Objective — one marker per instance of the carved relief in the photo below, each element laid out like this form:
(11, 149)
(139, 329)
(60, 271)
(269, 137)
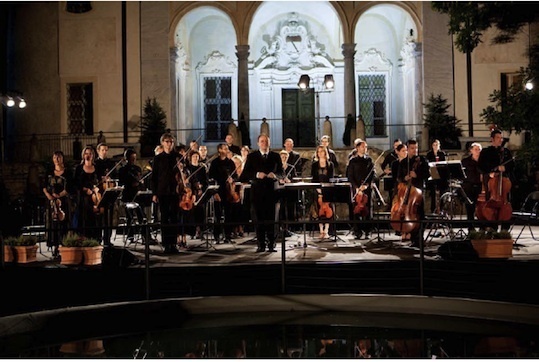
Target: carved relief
(293, 45)
(374, 61)
(216, 62)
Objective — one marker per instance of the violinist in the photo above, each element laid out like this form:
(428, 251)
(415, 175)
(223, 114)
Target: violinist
(288, 197)
(164, 183)
(322, 170)
(199, 183)
(239, 211)
(55, 188)
(263, 168)
(494, 160)
(360, 174)
(220, 170)
(472, 183)
(414, 169)
(187, 199)
(87, 183)
(129, 177)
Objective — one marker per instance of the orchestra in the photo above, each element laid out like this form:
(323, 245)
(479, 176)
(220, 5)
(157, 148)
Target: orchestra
(255, 188)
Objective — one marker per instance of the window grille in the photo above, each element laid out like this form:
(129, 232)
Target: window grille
(373, 104)
(217, 107)
(80, 109)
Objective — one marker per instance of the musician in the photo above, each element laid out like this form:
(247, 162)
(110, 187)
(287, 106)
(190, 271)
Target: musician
(437, 186)
(129, 177)
(415, 169)
(239, 211)
(229, 139)
(199, 183)
(493, 160)
(360, 174)
(220, 170)
(57, 186)
(294, 158)
(187, 195)
(164, 172)
(388, 162)
(472, 183)
(324, 141)
(87, 185)
(322, 170)
(288, 197)
(262, 169)
(244, 152)
(103, 164)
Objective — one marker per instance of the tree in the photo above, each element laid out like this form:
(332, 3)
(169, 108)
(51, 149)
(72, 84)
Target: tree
(154, 122)
(440, 124)
(469, 19)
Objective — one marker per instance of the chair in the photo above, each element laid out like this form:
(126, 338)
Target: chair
(527, 214)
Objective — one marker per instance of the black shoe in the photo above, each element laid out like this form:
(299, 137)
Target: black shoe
(287, 233)
(260, 250)
(228, 241)
(367, 236)
(272, 250)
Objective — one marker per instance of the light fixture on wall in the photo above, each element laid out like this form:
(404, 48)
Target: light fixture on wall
(12, 99)
(529, 84)
(326, 87)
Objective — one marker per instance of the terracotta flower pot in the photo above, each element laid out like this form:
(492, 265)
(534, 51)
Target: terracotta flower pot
(493, 248)
(25, 254)
(8, 254)
(92, 255)
(70, 255)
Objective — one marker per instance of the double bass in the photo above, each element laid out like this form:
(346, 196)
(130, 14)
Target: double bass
(404, 212)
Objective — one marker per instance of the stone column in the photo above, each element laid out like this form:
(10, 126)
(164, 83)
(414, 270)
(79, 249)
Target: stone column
(348, 50)
(242, 52)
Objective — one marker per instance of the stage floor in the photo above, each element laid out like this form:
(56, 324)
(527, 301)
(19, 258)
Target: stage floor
(306, 248)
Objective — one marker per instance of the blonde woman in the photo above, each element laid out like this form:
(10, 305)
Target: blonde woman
(322, 169)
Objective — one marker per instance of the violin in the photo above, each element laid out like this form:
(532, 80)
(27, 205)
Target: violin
(361, 199)
(57, 213)
(187, 201)
(404, 211)
(96, 199)
(324, 208)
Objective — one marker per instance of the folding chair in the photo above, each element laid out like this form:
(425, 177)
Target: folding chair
(527, 214)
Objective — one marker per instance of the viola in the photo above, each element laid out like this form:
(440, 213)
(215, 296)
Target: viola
(404, 211)
(96, 199)
(361, 199)
(57, 213)
(232, 195)
(324, 208)
(188, 199)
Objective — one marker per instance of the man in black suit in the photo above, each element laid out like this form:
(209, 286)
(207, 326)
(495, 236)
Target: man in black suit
(263, 168)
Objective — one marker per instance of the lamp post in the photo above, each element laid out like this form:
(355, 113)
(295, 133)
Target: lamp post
(327, 87)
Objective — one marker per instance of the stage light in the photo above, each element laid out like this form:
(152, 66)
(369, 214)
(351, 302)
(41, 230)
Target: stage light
(304, 81)
(529, 84)
(328, 81)
(10, 102)
(22, 102)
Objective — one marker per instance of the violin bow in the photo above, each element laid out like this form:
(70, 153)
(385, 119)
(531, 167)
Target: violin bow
(293, 168)
(187, 152)
(115, 166)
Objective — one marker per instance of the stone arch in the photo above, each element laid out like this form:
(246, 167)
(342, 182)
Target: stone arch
(190, 63)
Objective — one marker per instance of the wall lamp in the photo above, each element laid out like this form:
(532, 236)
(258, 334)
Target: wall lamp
(529, 84)
(12, 99)
(304, 81)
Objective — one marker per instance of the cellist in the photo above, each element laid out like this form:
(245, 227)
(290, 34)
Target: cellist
(360, 176)
(414, 168)
(493, 160)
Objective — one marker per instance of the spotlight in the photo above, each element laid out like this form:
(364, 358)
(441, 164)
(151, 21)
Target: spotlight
(529, 85)
(304, 81)
(10, 102)
(22, 103)
(328, 81)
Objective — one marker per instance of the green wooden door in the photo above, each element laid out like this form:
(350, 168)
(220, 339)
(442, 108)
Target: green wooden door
(299, 121)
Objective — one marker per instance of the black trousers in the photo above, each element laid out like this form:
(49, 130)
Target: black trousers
(168, 207)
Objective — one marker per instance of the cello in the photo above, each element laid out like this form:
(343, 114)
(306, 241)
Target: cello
(361, 199)
(405, 203)
(497, 207)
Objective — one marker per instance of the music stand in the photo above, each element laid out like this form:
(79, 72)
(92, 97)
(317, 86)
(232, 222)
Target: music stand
(204, 199)
(143, 198)
(340, 193)
(107, 201)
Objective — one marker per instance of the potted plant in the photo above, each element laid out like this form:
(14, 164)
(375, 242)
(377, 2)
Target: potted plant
(9, 242)
(24, 248)
(92, 252)
(71, 249)
(492, 244)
